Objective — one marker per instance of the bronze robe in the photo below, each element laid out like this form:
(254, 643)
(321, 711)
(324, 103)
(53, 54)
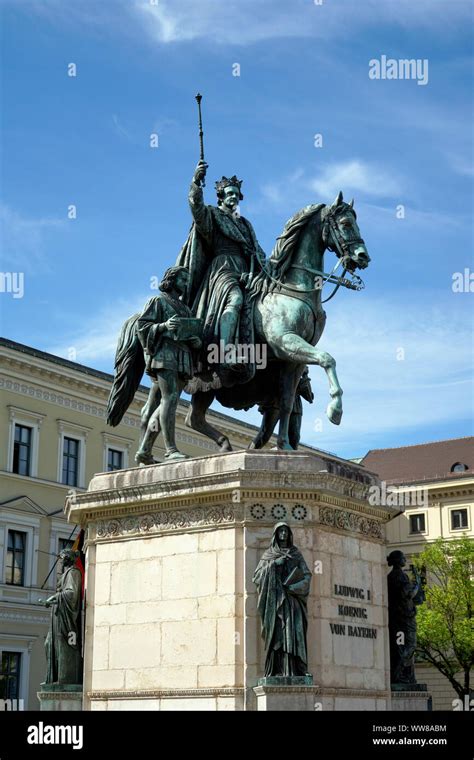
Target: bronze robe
(282, 603)
(64, 641)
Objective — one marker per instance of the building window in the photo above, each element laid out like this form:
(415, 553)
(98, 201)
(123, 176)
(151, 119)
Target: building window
(417, 523)
(115, 452)
(70, 476)
(114, 460)
(10, 675)
(459, 467)
(458, 519)
(23, 441)
(15, 569)
(22, 450)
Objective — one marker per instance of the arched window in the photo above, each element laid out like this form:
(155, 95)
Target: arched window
(459, 467)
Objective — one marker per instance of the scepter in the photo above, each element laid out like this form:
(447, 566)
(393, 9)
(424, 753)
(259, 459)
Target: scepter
(201, 133)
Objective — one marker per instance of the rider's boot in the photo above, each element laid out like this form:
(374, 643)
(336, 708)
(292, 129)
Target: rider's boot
(228, 327)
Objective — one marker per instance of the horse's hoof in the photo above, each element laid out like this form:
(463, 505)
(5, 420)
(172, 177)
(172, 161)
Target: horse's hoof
(282, 446)
(175, 454)
(143, 460)
(334, 411)
(224, 444)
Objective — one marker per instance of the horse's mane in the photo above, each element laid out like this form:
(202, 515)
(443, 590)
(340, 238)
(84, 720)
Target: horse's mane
(285, 246)
(286, 243)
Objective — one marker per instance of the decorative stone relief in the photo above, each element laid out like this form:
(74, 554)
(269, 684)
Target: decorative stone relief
(339, 518)
(157, 522)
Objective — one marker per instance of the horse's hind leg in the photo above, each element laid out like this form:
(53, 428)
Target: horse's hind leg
(269, 420)
(295, 349)
(196, 419)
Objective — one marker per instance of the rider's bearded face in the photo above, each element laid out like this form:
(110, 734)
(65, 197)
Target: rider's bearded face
(231, 198)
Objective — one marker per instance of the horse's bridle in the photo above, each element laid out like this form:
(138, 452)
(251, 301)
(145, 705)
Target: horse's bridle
(342, 251)
(342, 247)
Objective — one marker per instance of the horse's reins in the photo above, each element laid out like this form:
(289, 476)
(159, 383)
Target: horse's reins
(343, 253)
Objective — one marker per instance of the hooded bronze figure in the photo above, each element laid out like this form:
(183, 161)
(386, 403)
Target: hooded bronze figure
(283, 579)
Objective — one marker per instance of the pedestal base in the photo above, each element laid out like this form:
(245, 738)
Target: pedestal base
(317, 698)
(412, 697)
(284, 697)
(172, 611)
(60, 697)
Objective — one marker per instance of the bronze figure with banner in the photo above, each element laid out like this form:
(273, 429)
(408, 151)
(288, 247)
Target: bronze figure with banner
(64, 640)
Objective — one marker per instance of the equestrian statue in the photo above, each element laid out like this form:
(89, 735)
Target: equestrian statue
(221, 302)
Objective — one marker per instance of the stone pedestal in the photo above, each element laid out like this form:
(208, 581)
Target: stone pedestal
(171, 549)
(411, 697)
(60, 697)
(283, 697)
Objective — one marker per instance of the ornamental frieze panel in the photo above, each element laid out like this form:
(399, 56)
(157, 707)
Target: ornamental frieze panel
(166, 520)
(339, 518)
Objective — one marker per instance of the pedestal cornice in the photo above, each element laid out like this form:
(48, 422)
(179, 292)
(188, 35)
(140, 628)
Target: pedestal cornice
(239, 487)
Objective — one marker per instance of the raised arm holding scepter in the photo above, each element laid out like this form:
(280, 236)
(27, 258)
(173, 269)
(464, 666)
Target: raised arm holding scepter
(222, 255)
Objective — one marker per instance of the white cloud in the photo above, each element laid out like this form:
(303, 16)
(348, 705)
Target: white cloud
(463, 166)
(247, 21)
(120, 129)
(352, 177)
(165, 25)
(96, 342)
(22, 238)
(357, 176)
(241, 22)
(384, 395)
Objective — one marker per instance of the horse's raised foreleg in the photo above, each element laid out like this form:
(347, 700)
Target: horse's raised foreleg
(291, 347)
(196, 419)
(269, 420)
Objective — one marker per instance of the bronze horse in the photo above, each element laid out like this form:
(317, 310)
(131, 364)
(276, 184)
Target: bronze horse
(288, 318)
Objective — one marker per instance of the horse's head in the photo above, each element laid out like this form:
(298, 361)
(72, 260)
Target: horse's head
(341, 234)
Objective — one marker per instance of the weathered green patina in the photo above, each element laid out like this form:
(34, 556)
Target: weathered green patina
(64, 641)
(403, 598)
(246, 301)
(283, 580)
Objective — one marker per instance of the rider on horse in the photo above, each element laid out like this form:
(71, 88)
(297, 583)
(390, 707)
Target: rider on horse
(222, 254)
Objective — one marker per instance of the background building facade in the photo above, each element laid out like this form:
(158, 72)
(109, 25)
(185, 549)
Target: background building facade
(53, 439)
(439, 478)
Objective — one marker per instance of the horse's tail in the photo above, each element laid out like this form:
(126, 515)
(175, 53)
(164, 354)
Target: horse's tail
(129, 368)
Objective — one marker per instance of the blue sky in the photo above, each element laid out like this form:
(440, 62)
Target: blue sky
(85, 140)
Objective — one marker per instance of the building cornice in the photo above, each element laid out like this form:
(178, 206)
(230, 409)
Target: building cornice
(87, 391)
(70, 391)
